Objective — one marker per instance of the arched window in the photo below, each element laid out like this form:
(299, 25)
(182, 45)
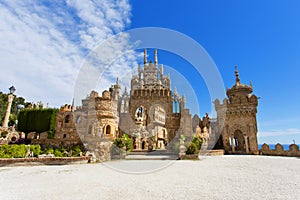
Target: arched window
(108, 129)
(78, 119)
(67, 119)
(175, 106)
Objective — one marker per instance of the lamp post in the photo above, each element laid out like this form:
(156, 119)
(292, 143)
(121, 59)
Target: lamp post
(12, 89)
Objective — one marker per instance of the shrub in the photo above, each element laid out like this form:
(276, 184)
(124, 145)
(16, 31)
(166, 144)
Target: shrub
(58, 153)
(192, 148)
(197, 141)
(124, 141)
(76, 150)
(13, 151)
(36, 149)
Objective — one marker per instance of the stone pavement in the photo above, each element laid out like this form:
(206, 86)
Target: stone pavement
(221, 177)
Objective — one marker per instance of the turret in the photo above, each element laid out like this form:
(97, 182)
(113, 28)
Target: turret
(155, 57)
(145, 56)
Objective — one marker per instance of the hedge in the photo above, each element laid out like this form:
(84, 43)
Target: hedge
(37, 120)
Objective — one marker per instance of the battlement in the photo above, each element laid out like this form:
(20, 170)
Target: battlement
(279, 150)
(66, 108)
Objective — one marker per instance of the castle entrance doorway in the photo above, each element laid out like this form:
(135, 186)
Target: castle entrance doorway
(143, 145)
(239, 141)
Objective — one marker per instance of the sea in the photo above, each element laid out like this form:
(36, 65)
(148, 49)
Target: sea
(272, 146)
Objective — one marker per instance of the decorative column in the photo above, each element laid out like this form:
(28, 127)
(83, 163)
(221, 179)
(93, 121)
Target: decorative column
(246, 144)
(10, 100)
(232, 144)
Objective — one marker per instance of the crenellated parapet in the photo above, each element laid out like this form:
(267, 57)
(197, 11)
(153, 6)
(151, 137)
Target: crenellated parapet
(66, 108)
(279, 150)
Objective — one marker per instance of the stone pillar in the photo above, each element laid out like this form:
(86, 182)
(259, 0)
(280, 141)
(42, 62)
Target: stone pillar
(246, 144)
(6, 118)
(232, 144)
(182, 149)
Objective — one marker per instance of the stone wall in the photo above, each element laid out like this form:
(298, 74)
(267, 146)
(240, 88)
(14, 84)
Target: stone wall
(43, 161)
(56, 142)
(279, 150)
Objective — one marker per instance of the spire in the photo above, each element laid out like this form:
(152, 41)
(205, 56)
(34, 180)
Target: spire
(237, 79)
(250, 84)
(145, 56)
(139, 71)
(72, 107)
(175, 91)
(161, 71)
(155, 57)
(117, 82)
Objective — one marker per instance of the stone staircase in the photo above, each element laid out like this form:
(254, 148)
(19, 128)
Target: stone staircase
(152, 155)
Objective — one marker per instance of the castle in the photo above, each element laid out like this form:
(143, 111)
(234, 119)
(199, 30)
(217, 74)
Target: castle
(154, 115)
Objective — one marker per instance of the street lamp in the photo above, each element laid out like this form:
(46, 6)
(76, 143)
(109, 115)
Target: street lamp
(12, 89)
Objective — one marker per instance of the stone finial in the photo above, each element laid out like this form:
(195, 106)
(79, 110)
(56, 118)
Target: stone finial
(161, 70)
(237, 79)
(145, 56)
(155, 57)
(139, 71)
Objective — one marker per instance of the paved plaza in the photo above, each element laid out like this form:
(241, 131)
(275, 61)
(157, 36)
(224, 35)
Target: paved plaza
(224, 177)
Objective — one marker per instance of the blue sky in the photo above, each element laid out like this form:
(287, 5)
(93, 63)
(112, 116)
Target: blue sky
(43, 44)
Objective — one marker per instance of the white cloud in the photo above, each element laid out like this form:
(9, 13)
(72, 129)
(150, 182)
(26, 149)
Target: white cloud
(273, 133)
(42, 46)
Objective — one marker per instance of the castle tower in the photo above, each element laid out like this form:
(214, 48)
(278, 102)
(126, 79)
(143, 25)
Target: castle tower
(237, 119)
(151, 103)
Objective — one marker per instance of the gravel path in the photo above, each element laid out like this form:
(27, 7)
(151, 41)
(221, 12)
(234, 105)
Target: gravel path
(225, 177)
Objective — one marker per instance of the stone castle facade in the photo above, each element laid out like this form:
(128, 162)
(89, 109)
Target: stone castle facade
(236, 119)
(154, 115)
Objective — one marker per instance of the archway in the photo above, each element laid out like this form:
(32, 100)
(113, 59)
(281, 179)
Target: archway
(239, 142)
(67, 119)
(108, 129)
(143, 145)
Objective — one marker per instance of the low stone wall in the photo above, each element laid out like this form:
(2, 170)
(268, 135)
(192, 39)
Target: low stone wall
(189, 157)
(279, 150)
(56, 142)
(43, 161)
(218, 152)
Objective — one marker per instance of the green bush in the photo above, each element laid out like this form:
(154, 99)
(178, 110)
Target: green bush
(197, 141)
(76, 150)
(58, 153)
(124, 141)
(192, 148)
(36, 149)
(13, 151)
(19, 151)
